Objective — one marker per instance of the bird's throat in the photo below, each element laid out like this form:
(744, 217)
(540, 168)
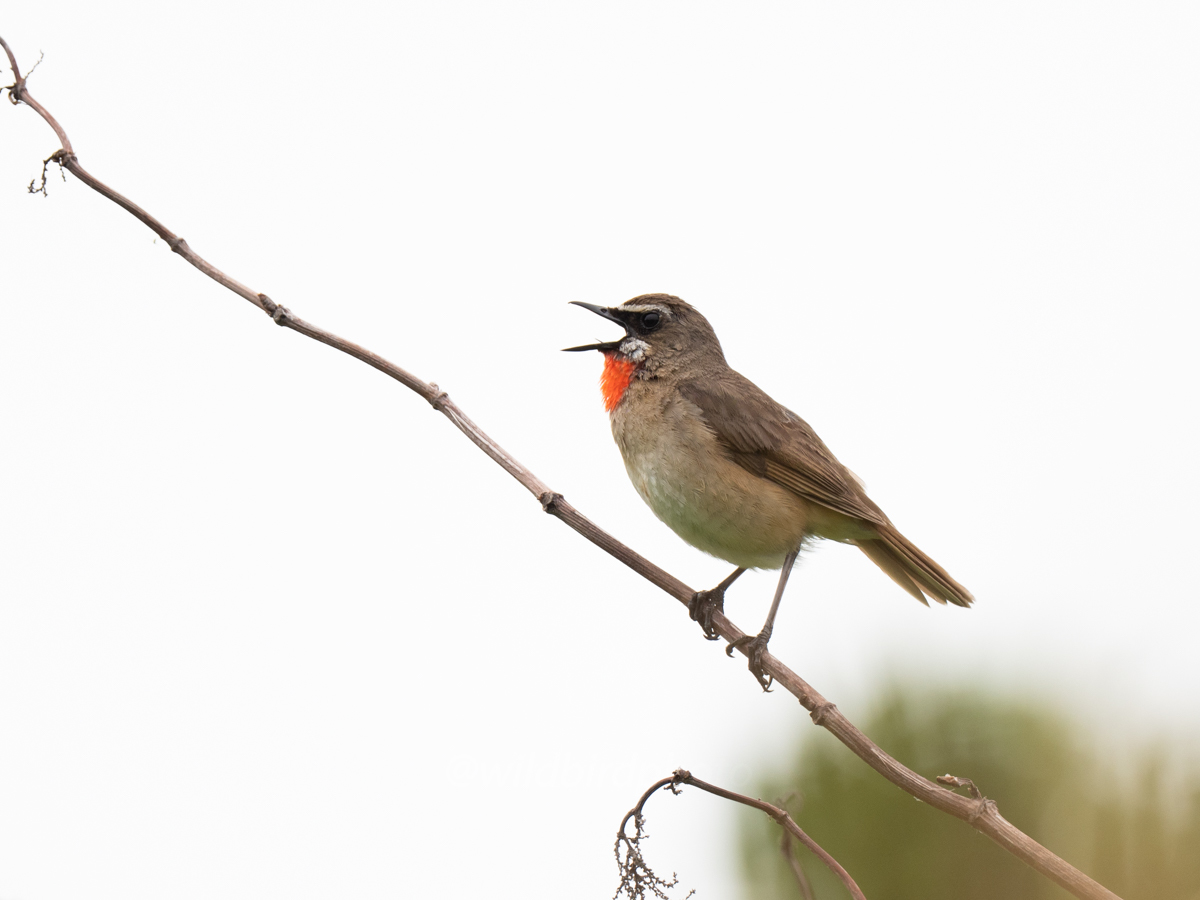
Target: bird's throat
(618, 373)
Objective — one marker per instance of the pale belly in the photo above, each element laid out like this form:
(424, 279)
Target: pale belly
(708, 500)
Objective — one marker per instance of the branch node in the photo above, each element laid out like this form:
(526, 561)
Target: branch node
(983, 806)
(16, 92)
(279, 313)
(821, 710)
(439, 399)
(177, 244)
(549, 500)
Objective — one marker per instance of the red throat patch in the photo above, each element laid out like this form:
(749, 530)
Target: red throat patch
(615, 379)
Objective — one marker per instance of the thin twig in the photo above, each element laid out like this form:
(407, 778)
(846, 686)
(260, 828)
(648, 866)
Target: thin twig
(824, 713)
(789, 855)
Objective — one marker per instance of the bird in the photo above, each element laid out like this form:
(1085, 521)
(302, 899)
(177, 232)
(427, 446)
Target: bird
(730, 470)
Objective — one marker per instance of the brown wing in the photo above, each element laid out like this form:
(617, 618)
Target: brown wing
(774, 443)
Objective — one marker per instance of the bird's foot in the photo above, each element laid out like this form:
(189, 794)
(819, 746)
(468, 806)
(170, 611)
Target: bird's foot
(754, 648)
(702, 606)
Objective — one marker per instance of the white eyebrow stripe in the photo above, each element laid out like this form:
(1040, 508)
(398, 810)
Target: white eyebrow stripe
(641, 309)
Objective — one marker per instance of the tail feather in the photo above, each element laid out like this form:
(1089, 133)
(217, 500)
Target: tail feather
(913, 570)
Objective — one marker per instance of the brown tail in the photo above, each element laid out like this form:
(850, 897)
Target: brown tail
(912, 569)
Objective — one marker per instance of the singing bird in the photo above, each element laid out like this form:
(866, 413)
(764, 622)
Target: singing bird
(730, 470)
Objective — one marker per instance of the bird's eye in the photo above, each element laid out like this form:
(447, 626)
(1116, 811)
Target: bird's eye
(650, 320)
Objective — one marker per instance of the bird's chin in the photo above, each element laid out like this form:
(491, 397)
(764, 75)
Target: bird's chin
(632, 349)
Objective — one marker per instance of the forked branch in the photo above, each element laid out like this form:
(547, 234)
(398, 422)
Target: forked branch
(985, 818)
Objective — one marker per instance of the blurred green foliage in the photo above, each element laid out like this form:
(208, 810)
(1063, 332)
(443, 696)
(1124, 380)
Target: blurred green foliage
(1134, 827)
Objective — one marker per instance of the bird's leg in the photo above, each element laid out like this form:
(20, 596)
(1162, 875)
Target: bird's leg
(756, 646)
(704, 603)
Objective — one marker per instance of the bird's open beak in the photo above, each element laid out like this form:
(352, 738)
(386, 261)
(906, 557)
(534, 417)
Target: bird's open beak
(606, 313)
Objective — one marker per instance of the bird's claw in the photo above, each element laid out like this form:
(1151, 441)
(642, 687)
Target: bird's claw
(754, 647)
(701, 608)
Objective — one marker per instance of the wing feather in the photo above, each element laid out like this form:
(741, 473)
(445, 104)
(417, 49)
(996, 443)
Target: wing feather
(771, 441)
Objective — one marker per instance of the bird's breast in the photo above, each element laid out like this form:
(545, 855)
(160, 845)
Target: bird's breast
(683, 474)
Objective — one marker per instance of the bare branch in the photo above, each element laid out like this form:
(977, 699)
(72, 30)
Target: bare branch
(987, 820)
(682, 776)
(780, 815)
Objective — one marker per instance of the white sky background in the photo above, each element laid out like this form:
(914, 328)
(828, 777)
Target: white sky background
(270, 627)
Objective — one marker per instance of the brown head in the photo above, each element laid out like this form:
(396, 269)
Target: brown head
(663, 335)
